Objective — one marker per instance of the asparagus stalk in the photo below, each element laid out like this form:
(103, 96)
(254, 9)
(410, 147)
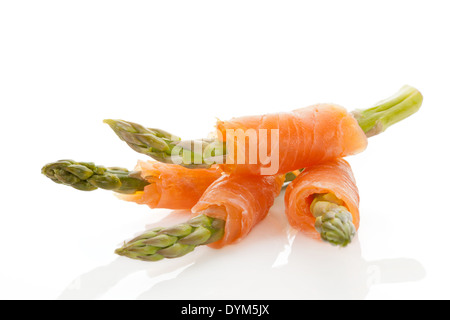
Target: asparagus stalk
(384, 114)
(291, 176)
(203, 153)
(174, 242)
(87, 176)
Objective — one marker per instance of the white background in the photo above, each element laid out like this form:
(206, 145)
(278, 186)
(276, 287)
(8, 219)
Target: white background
(67, 65)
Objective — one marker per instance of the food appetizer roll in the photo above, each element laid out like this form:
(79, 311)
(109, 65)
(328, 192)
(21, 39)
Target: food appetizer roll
(275, 143)
(158, 185)
(308, 136)
(323, 202)
(227, 212)
(242, 202)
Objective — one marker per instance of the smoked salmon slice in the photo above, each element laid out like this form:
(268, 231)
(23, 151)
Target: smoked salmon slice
(336, 178)
(240, 201)
(301, 138)
(172, 186)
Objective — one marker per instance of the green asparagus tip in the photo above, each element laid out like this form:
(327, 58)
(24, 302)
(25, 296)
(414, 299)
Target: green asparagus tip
(87, 176)
(167, 148)
(173, 242)
(333, 221)
(336, 227)
(152, 142)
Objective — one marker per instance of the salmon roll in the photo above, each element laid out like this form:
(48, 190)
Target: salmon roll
(242, 202)
(279, 143)
(172, 186)
(321, 194)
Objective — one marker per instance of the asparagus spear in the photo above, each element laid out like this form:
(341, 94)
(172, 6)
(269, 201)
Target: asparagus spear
(203, 153)
(165, 147)
(87, 176)
(174, 242)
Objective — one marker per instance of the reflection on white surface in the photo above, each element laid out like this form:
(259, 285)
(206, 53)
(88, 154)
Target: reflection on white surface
(274, 262)
(283, 257)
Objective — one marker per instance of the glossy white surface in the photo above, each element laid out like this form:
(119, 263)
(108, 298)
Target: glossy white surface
(65, 66)
(273, 263)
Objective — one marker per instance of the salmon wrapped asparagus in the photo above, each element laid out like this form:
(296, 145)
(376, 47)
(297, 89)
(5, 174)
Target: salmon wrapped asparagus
(276, 143)
(152, 183)
(228, 210)
(240, 201)
(323, 202)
